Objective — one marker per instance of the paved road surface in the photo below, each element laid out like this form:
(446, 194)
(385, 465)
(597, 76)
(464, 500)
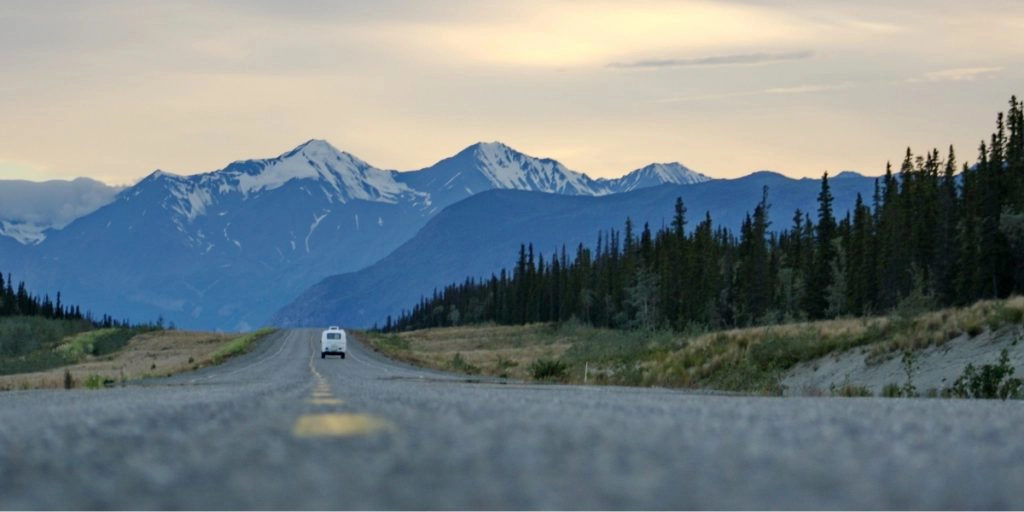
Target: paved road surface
(280, 428)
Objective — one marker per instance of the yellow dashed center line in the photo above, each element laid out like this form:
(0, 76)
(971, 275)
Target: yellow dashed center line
(324, 401)
(334, 424)
(338, 425)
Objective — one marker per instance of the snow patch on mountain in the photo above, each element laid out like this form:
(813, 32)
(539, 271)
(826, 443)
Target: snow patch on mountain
(654, 175)
(349, 177)
(312, 227)
(506, 168)
(25, 234)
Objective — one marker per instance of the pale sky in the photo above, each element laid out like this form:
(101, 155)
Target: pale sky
(114, 90)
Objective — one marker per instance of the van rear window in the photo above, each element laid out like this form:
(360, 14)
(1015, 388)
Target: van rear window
(334, 335)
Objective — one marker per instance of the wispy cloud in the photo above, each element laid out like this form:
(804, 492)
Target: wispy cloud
(958, 74)
(715, 60)
(798, 89)
(801, 89)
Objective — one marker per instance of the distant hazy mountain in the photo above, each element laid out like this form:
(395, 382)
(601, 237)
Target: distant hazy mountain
(654, 175)
(482, 234)
(225, 249)
(28, 208)
(493, 165)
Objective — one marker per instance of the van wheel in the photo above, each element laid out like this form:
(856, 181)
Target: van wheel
(343, 355)
(323, 356)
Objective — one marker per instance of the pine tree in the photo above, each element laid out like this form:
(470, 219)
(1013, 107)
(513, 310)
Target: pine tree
(824, 255)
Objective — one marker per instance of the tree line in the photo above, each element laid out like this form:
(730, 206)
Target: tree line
(16, 301)
(929, 235)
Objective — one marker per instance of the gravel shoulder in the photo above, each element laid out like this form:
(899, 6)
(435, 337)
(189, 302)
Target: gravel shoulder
(935, 367)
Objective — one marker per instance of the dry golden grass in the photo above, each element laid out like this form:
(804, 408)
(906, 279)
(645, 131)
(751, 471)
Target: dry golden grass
(709, 354)
(750, 359)
(152, 354)
(496, 350)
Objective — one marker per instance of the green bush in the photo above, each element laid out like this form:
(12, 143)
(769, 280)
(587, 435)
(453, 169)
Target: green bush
(94, 382)
(549, 370)
(988, 382)
(459, 364)
(22, 335)
(392, 342)
(40, 360)
(849, 390)
(892, 390)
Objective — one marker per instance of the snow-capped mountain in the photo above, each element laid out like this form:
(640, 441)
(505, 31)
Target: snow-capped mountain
(28, 209)
(654, 175)
(224, 249)
(493, 165)
(338, 175)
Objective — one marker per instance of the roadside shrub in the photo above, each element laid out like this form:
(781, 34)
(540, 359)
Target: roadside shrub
(892, 390)
(20, 335)
(69, 381)
(112, 341)
(42, 359)
(1007, 315)
(988, 382)
(502, 366)
(93, 382)
(776, 353)
(849, 390)
(909, 368)
(392, 342)
(459, 364)
(549, 370)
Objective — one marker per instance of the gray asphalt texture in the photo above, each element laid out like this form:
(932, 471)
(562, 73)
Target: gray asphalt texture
(226, 438)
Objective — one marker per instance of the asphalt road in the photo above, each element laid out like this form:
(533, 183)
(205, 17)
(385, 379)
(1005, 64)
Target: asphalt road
(280, 428)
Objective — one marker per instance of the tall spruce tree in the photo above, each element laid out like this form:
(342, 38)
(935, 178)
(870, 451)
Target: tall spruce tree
(821, 278)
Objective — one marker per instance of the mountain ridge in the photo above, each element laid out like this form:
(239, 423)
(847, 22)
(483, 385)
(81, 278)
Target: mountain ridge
(225, 249)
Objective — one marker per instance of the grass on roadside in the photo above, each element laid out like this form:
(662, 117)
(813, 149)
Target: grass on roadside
(72, 349)
(239, 345)
(746, 360)
(150, 354)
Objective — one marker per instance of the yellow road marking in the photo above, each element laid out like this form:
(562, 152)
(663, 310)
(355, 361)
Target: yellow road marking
(318, 396)
(338, 425)
(325, 401)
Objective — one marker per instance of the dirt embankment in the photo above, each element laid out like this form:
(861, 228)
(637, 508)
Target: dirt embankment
(934, 368)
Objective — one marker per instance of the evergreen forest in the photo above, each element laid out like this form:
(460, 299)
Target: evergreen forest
(935, 233)
(17, 301)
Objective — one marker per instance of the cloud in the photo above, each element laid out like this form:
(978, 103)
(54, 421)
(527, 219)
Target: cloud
(801, 89)
(716, 60)
(798, 89)
(958, 74)
(52, 203)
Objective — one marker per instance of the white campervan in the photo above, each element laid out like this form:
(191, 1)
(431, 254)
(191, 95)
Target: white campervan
(333, 342)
